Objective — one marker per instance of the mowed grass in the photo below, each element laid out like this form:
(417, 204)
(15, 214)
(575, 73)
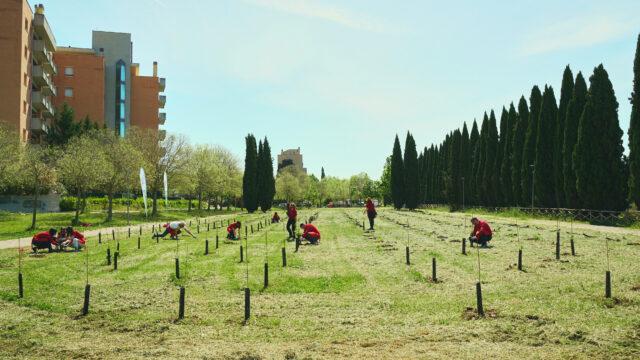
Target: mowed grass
(351, 297)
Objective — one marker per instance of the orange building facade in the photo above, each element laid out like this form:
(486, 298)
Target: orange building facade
(37, 77)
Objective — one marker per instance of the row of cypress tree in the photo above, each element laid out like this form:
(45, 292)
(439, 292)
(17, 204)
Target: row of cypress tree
(566, 154)
(258, 183)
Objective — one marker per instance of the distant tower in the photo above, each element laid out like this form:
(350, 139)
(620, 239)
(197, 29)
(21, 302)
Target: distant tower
(294, 156)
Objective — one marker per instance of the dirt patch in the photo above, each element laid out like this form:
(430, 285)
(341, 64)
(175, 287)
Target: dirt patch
(366, 344)
(554, 260)
(472, 314)
(455, 241)
(633, 243)
(636, 287)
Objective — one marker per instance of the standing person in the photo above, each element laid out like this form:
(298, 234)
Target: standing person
(371, 212)
(292, 213)
(174, 229)
(75, 239)
(481, 233)
(275, 219)
(311, 233)
(44, 240)
(231, 230)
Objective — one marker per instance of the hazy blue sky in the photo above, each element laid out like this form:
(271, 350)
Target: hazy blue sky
(341, 78)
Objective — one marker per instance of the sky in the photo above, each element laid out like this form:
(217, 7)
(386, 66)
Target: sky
(340, 79)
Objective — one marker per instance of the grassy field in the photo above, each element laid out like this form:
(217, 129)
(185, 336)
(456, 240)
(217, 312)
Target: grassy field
(16, 225)
(351, 297)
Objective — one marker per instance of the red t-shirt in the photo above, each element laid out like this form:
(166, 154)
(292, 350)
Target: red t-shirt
(292, 213)
(42, 237)
(232, 227)
(79, 236)
(311, 230)
(275, 217)
(370, 207)
(481, 229)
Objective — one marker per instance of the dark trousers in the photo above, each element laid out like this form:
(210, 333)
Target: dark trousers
(371, 219)
(166, 231)
(231, 235)
(291, 227)
(42, 245)
(482, 240)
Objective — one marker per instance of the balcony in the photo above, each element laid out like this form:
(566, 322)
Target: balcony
(40, 102)
(42, 29)
(39, 125)
(162, 134)
(162, 100)
(162, 117)
(161, 84)
(50, 90)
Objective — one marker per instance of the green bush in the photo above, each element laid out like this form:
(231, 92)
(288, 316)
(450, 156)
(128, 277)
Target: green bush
(68, 203)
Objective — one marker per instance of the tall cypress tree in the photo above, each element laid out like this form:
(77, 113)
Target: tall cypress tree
(518, 139)
(490, 175)
(597, 158)
(634, 131)
(454, 170)
(501, 193)
(480, 190)
(322, 173)
(465, 159)
(472, 185)
(397, 175)
(545, 192)
(268, 181)
(410, 173)
(566, 93)
(574, 111)
(506, 136)
(529, 151)
(259, 170)
(249, 180)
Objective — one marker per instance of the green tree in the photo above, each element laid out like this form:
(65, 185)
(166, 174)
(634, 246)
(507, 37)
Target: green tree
(384, 188)
(506, 138)
(529, 151)
(518, 139)
(502, 158)
(268, 181)
(411, 173)
(490, 174)
(572, 120)
(322, 176)
(37, 174)
(453, 173)
(249, 180)
(397, 175)
(480, 191)
(63, 127)
(471, 183)
(545, 192)
(465, 159)
(597, 158)
(566, 93)
(634, 131)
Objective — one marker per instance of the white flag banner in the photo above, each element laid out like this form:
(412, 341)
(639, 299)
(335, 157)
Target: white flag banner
(166, 192)
(143, 185)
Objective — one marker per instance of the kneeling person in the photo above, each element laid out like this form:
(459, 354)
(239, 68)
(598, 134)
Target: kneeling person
(174, 229)
(310, 233)
(44, 240)
(231, 230)
(75, 239)
(275, 219)
(481, 233)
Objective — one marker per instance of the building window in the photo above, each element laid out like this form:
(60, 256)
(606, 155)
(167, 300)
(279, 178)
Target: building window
(24, 107)
(26, 25)
(26, 52)
(68, 92)
(26, 79)
(68, 70)
(121, 97)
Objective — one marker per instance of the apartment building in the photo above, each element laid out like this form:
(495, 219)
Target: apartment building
(100, 82)
(294, 156)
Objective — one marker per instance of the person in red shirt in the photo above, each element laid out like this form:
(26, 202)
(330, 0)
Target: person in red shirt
(311, 233)
(44, 240)
(481, 233)
(231, 230)
(275, 218)
(371, 212)
(292, 213)
(75, 239)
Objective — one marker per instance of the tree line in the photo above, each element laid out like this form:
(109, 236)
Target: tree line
(98, 161)
(543, 152)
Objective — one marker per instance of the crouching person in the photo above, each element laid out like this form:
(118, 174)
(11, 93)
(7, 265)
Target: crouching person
(275, 219)
(231, 230)
(481, 232)
(174, 228)
(75, 239)
(44, 240)
(310, 233)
